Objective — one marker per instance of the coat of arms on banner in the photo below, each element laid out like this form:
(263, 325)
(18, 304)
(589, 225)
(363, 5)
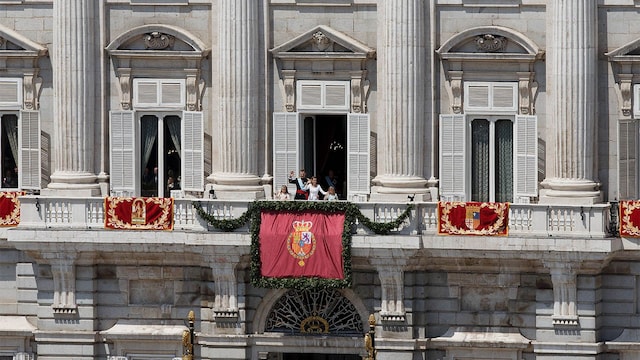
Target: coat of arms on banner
(301, 243)
(472, 218)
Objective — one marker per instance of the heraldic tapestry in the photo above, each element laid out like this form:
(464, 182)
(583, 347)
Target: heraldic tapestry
(473, 218)
(10, 208)
(138, 213)
(630, 218)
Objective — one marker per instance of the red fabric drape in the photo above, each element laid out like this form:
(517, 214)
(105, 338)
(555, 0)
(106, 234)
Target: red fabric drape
(10, 208)
(305, 244)
(473, 218)
(138, 213)
(630, 218)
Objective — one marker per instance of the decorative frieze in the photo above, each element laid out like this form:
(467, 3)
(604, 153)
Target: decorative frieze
(491, 43)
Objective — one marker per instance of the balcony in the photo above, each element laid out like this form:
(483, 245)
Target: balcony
(525, 220)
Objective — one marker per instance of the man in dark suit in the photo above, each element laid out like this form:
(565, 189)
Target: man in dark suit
(301, 182)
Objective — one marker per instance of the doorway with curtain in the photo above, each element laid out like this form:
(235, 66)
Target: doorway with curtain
(160, 154)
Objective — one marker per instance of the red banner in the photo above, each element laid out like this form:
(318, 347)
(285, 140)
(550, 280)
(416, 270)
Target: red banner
(138, 213)
(473, 218)
(630, 218)
(301, 244)
(10, 208)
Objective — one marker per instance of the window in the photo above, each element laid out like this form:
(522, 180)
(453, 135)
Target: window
(490, 153)
(160, 155)
(9, 151)
(173, 142)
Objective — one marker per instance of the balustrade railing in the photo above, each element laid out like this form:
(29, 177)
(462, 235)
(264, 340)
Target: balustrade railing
(524, 219)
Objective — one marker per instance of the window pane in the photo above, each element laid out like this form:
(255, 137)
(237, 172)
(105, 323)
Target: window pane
(149, 155)
(504, 160)
(9, 151)
(480, 160)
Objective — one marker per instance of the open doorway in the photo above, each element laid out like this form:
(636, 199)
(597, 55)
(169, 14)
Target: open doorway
(324, 150)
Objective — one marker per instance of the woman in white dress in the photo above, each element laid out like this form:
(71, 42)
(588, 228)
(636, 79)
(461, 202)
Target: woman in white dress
(314, 189)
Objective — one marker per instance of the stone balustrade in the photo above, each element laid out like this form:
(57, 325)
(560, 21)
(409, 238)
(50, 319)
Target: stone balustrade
(525, 220)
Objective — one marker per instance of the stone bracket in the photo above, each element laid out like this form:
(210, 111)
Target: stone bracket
(564, 279)
(64, 286)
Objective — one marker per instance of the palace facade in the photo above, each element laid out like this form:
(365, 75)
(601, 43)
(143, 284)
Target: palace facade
(409, 104)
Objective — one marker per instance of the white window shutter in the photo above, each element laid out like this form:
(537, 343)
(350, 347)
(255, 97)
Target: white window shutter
(504, 96)
(358, 154)
(310, 95)
(10, 93)
(29, 174)
(285, 148)
(336, 95)
(526, 158)
(146, 93)
(123, 177)
(171, 93)
(477, 96)
(192, 151)
(453, 158)
(627, 159)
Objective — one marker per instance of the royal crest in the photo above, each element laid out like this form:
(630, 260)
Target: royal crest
(472, 218)
(301, 243)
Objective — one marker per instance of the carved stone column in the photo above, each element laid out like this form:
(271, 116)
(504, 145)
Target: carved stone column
(237, 133)
(572, 83)
(402, 74)
(74, 63)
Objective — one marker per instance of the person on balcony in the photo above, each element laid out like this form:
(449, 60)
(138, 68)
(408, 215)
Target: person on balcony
(301, 182)
(314, 189)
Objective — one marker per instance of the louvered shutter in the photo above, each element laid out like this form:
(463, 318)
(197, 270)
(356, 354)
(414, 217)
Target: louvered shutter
(310, 95)
(452, 158)
(627, 159)
(146, 93)
(336, 96)
(477, 96)
(526, 158)
(29, 174)
(358, 154)
(285, 149)
(504, 97)
(171, 93)
(123, 176)
(192, 151)
(10, 93)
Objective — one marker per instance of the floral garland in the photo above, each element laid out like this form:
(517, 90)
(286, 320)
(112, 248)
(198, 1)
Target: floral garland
(352, 213)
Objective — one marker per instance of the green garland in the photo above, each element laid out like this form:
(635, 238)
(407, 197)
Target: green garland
(351, 211)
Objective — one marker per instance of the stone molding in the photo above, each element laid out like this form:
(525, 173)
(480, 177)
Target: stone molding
(182, 51)
(325, 49)
(512, 51)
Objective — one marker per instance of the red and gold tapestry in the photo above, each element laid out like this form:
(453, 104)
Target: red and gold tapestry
(140, 213)
(301, 244)
(473, 218)
(630, 218)
(10, 208)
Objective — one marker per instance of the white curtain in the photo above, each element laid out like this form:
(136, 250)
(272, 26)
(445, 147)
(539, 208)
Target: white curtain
(173, 123)
(149, 136)
(10, 127)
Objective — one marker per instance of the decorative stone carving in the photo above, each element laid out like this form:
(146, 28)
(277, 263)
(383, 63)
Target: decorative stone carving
(32, 84)
(491, 43)
(564, 279)
(158, 41)
(392, 295)
(626, 93)
(356, 93)
(225, 306)
(64, 286)
(192, 88)
(125, 88)
(455, 91)
(321, 42)
(527, 88)
(289, 83)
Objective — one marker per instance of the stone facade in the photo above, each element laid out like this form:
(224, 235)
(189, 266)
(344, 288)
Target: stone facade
(405, 100)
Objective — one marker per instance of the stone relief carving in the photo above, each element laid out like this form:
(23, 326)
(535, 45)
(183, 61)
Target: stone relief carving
(125, 88)
(321, 42)
(158, 41)
(289, 89)
(225, 304)
(564, 279)
(392, 286)
(626, 93)
(64, 286)
(527, 91)
(455, 91)
(491, 43)
(32, 84)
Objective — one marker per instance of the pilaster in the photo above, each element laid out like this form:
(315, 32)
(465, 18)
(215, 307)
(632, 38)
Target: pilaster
(74, 81)
(237, 133)
(402, 70)
(572, 80)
